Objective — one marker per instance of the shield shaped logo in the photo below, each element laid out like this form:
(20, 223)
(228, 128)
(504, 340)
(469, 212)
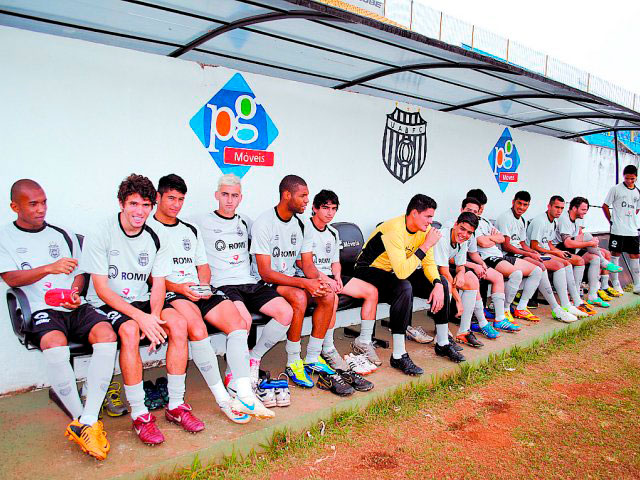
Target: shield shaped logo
(327, 247)
(404, 144)
(186, 243)
(54, 250)
(239, 231)
(294, 238)
(143, 259)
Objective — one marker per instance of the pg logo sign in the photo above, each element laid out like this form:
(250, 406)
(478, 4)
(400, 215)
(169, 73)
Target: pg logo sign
(235, 128)
(504, 160)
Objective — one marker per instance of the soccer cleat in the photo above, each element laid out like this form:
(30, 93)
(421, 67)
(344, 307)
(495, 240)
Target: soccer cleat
(147, 430)
(489, 314)
(296, 372)
(525, 315)
(283, 394)
(266, 395)
(453, 343)
(254, 371)
(113, 404)
(361, 348)
(152, 397)
(406, 365)
(163, 389)
(563, 316)
(613, 292)
(588, 309)
(358, 382)
(251, 406)
(612, 267)
(335, 361)
(449, 352)
(509, 318)
(598, 302)
(604, 296)
(468, 338)
(319, 366)
(417, 334)
(506, 326)
(334, 383)
(359, 364)
(232, 415)
(636, 289)
(489, 332)
(575, 311)
(182, 416)
(533, 303)
(91, 439)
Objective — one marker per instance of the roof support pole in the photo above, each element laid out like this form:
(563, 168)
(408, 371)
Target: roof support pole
(615, 141)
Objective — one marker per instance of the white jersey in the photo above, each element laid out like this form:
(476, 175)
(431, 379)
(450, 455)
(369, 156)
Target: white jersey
(541, 230)
(282, 241)
(445, 250)
(472, 243)
(565, 227)
(187, 250)
(325, 247)
(484, 228)
(22, 249)
(127, 261)
(512, 227)
(623, 203)
(226, 241)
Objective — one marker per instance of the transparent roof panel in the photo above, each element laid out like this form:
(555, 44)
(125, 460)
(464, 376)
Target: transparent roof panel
(228, 10)
(478, 80)
(394, 96)
(572, 125)
(515, 110)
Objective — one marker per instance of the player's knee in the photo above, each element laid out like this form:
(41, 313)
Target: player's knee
(371, 293)
(129, 333)
(52, 340)
(103, 333)
(404, 289)
(197, 331)
(328, 299)
(471, 281)
(176, 327)
(579, 262)
(284, 314)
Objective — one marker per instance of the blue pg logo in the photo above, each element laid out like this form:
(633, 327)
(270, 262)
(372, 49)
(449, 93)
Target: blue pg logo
(504, 160)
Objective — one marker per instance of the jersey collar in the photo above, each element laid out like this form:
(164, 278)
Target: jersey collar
(275, 209)
(125, 233)
(223, 217)
(165, 224)
(26, 230)
(314, 226)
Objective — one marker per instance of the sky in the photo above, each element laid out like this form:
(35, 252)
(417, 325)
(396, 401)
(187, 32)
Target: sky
(598, 37)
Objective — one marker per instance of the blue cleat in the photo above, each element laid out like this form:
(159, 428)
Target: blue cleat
(506, 326)
(489, 314)
(489, 332)
(319, 366)
(296, 372)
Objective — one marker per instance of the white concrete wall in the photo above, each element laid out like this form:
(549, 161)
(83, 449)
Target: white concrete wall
(79, 117)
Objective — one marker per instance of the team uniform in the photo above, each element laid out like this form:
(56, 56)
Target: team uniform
(445, 250)
(567, 228)
(542, 230)
(325, 249)
(128, 262)
(515, 229)
(22, 249)
(226, 242)
(623, 203)
(492, 256)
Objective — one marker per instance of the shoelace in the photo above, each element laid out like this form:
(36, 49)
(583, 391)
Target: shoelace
(114, 394)
(420, 330)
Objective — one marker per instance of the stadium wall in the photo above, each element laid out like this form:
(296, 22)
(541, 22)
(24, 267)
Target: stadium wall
(78, 117)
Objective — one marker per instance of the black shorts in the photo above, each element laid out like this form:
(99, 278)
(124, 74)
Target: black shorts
(205, 305)
(75, 324)
(345, 279)
(253, 295)
(512, 257)
(624, 244)
(117, 319)
(492, 262)
(564, 248)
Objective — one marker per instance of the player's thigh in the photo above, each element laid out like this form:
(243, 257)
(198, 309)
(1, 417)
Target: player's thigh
(279, 309)
(225, 317)
(357, 288)
(244, 312)
(525, 267)
(505, 268)
(297, 297)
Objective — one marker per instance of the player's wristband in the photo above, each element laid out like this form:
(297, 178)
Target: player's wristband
(420, 254)
(436, 281)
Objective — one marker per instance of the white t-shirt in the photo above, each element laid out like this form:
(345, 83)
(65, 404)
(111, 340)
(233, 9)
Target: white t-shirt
(514, 228)
(282, 241)
(325, 247)
(541, 230)
(22, 249)
(226, 241)
(187, 249)
(472, 243)
(127, 261)
(484, 228)
(566, 227)
(444, 250)
(623, 203)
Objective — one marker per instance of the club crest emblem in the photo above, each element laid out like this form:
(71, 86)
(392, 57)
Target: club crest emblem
(404, 144)
(54, 250)
(143, 259)
(186, 244)
(239, 231)
(294, 238)
(327, 247)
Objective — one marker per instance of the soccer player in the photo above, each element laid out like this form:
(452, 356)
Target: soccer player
(514, 228)
(121, 255)
(227, 236)
(390, 259)
(277, 239)
(621, 208)
(540, 234)
(38, 257)
(190, 268)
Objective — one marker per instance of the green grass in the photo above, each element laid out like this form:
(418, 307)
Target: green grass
(284, 444)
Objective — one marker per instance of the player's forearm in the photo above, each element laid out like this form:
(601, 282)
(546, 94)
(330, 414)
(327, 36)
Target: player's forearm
(535, 246)
(509, 248)
(204, 274)
(158, 293)
(310, 270)
(607, 212)
(445, 274)
(277, 278)
(115, 301)
(476, 258)
(78, 282)
(485, 241)
(21, 278)
(571, 243)
(173, 287)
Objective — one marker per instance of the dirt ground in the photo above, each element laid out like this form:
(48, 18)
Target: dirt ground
(574, 414)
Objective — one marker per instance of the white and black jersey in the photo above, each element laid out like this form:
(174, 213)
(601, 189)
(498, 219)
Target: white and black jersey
(542, 230)
(187, 249)
(445, 250)
(623, 202)
(22, 249)
(567, 228)
(226, 242)
(127, 261)
(472, 243)
(484, 229)
(325, 247)
(283, 241)
(512, 227)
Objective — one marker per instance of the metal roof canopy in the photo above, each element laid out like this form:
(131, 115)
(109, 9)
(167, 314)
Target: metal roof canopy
(314, 43)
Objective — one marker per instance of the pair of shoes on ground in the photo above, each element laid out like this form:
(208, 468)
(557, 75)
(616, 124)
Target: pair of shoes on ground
(156, 395)
(339, 381)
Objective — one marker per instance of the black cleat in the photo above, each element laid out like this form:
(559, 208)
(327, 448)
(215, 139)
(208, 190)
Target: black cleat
(533, 304)
(468, 338)
(406, 365)
(452, 342)
(334, 383)
(449, 352)
(357, 381)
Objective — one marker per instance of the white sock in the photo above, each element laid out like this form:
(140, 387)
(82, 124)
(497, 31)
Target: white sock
(578, 275)
(593, 274)
(176, 388)
(479, 313)
(243, 387)
(206, 360)
(135, 397)
(560, 282)
(327, 344)
(571, 286)
(366, 331)
(547, 291)
(615, 281)
(442, 334)
(314, 348)
(98, 379)
(498, 305)
(634, 266)
(220, 393)
(468, 303)
(511, 287)
(531, 284)
(293, 350)
(271, 334)
(604, 281)
(398, 345)
(62, 379)
(238, 354)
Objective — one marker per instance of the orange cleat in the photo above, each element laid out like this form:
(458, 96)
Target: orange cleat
(525, 315)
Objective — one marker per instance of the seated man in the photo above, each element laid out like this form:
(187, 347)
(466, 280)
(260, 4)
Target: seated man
(190, 268)
(390, 259)
(450, 254)
(540, 233)
(514, 228)
(121, 255)
(39, 257)
(277, 239)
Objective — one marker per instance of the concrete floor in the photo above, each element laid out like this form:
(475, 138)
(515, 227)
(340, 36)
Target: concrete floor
(32, 444)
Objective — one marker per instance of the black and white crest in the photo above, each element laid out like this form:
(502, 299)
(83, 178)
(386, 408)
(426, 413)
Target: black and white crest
(239, 231)
(404, 145)
(54, 250)
(143, 259)
(294, 238)
(186, 243)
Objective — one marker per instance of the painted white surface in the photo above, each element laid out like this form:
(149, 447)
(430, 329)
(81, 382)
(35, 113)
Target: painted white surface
(79, 117)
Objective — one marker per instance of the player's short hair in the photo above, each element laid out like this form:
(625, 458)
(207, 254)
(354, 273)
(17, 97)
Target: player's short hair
(478, 194)
(323, 197)
(230, 180)
(18, 185)
(172, 182)
(577, 201)
(137, 184)
(290, 183)
(420, 203)
(522, 195)
(469, 218)
(630, 170)
(471, 200)
(555, 198)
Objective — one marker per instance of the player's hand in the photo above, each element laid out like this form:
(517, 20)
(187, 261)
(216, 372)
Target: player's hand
(333, 284)
(566, 255)
(75, 302)
(64, 265)
(458, 280)
(479, 270)
(187, 292)
(534, 256)
(431, 239)
(460, 308)
(594, 242)
(340, 284)
(317, 287)
(151, 328)
(436, 299)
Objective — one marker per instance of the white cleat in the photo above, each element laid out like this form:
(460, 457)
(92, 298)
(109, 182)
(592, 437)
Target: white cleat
(563, 316)
(636, 289)
(234, 416)
(251, 406)
(576, 312)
